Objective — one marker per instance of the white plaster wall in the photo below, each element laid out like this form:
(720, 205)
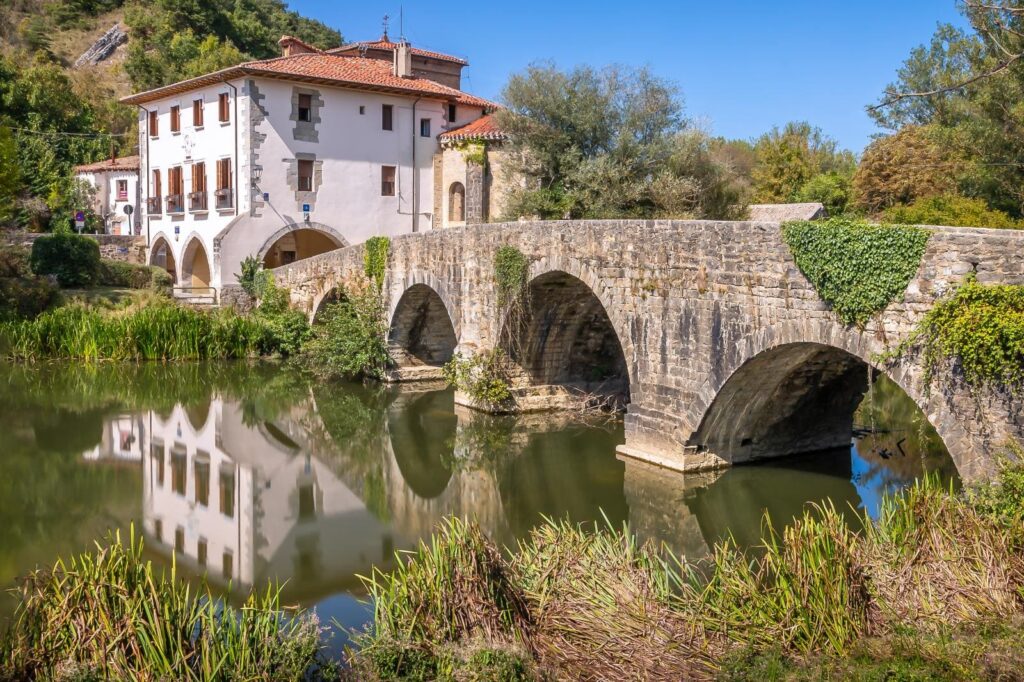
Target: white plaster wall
(107, 205)
(215, 140)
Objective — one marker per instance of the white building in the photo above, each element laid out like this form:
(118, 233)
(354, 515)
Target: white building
(289, 157)
(116, 181)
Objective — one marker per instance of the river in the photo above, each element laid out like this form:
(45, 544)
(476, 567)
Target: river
(248, 473)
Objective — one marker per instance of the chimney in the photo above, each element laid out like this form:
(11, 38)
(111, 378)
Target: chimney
(291, 46)
(403, 60)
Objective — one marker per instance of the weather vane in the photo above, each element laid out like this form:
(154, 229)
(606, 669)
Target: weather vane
(386, 17)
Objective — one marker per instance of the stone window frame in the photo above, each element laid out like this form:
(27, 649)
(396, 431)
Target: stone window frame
(391, 185)
(304, 130)
(292, 177)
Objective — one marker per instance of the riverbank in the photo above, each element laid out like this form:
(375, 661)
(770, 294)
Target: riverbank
(934, 589)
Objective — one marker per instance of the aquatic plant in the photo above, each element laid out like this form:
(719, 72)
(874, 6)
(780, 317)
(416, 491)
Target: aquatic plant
(108, 614)
(594, 604)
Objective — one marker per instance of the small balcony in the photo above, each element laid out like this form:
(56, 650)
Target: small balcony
(175, 204)
(197, 201)
(224, 199)
(153, 205)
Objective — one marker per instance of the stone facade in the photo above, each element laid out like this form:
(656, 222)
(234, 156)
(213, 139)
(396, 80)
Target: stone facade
(728, 349)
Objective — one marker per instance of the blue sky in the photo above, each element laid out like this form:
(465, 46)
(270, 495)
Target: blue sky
(743, 65)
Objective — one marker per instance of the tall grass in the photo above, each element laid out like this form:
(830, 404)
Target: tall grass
(596, 604)
(108, 615)
(157, 331)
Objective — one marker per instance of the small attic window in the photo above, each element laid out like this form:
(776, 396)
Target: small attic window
(362, 110)
(452, 109)
(306, 108)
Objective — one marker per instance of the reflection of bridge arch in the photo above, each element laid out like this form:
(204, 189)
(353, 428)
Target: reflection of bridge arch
(415, 433)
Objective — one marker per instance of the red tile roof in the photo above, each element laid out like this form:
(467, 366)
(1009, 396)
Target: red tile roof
(124, 163)
(484, 128)
(327, 69)
(384, 43)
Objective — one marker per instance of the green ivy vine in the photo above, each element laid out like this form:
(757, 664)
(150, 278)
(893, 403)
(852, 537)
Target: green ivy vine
(980, 329)
(473, 152)
(856, 267)
(511, 269)
(375, 259)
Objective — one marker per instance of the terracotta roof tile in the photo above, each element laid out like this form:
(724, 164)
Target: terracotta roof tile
(341, 71)
(124, 163)
(484, 128)
(385, 44)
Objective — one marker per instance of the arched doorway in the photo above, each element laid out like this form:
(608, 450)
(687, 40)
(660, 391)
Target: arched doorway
(296, 243)
(422, 333)
(566, 339)
(457, 203)
(161, 255)
(196, 267)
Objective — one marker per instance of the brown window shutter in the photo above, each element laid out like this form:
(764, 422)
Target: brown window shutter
(154, 124)
(225, 112)
(197, 113)
(157, 189)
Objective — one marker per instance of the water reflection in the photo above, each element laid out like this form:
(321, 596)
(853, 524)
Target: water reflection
(245, 474)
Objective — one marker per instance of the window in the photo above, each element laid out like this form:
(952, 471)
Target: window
(387, 115)
(201, 552)
(197, 200)
(175, 190)
(457, 203)
(175, 119)
(197, 113)
(179, 540)
(362, 110)
(155, 195)
(122, 190)
(224, 183)
(305, 175)
(201, 471)
(424, 127)
(154, 124)
(226, 566)
(223, 110)
(158, 530)
(156, 450)
(452, 109)
(387, 181)
(227, 492)
(178, 463)
(306, 108)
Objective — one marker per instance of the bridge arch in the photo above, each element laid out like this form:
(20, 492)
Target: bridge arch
(422, 331)
(794, 388)
(300, 240)
(567, 336)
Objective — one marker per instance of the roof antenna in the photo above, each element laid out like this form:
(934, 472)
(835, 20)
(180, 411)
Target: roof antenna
(385, 36)
(401, 23)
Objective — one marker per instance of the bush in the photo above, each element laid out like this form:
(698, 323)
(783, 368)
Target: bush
(484, 377)
(115, 273)
(248, 277)
(73, 259)
(22, 294)
(351, 342)
(952, 210)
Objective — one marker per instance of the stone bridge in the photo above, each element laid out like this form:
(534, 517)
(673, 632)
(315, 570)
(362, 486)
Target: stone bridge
(723, 348)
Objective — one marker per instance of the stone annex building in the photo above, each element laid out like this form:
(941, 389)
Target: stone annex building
(290, 157)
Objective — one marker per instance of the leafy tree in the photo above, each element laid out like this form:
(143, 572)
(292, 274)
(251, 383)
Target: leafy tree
(951, 210)
(902, 168)
(787, 159)
(10, 175)
(832, 190)
(608, 143)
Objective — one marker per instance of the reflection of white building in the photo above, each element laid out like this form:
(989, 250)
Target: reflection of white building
(121, 440)
(247, 503)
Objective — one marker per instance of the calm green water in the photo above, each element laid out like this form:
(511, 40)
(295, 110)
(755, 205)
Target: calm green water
(253, 473)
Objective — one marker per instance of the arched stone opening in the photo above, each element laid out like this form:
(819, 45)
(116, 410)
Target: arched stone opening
(422, 332)
(296, 243)
(565, 338)
(196, 274)
(790, 399)
(335, 295)
(457, 203)
(161, 255)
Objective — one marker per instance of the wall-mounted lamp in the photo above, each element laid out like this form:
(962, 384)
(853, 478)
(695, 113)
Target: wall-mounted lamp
(257, 173)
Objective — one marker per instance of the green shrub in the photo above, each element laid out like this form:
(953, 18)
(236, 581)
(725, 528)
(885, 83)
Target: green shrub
(980, 329)
(856, 267)
(950, 210)
(113, 273)
(350, 341)
(483, 377)
(73, 259)
(247, 278)
(511, 269)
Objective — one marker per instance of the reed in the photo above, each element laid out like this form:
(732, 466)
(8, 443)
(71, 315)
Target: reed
(594, 604)
(108, 615)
